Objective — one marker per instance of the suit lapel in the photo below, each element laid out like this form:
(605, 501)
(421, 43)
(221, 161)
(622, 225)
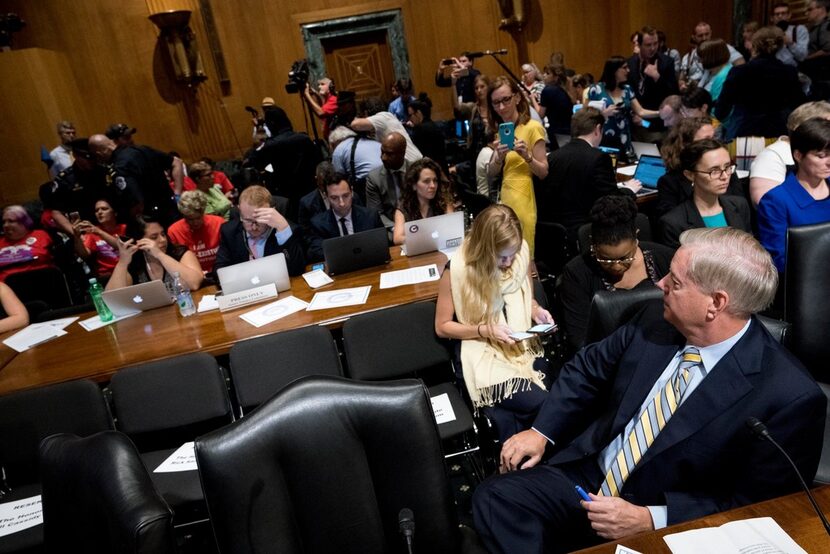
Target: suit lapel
(693, 218)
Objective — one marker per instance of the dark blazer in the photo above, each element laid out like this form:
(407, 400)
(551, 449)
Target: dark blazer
(578, 174)
(705, 460)
(233, 248)
(654, 92)
(685, 216)
(380, 193)
(325, 226)
(673, 188)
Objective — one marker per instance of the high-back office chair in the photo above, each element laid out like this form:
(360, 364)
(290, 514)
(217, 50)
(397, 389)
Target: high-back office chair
(805, 306)
(47, 284)
(262, 366)
(98, 498)
(325, 466)
(28, 417)
(160, 406)
(401, 342)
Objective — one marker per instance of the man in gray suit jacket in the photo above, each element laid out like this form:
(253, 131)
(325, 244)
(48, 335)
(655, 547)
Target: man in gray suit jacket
(383, 184)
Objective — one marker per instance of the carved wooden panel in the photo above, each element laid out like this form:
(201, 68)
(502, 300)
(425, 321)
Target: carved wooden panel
(361, 63)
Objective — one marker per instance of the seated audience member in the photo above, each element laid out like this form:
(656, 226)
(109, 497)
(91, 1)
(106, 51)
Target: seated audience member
(402, 90)
(198, 231)
(706, 351)
(99, 243)
(216, 202)
(759, 95)
(485, 295)
(353, 154)
(315, 202)
(383, 123)
(22, 247)
(770, 166)
(669, 111)
(802, 199)
(149, 256)
(707, 165)
(617, 261)
(259, 231)
(342, 218)
(425, 193)
(425, 133)
(220, 180)
(14, 314)
(384, 184)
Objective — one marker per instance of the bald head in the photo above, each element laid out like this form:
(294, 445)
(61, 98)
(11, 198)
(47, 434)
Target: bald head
(392, 150)
(102, 146)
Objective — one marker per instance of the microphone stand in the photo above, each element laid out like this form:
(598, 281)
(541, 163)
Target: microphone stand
(507, 70)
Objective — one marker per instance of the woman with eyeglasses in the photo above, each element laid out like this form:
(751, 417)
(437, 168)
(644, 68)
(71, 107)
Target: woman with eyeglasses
(617, 261)
(707, 165)
(804, 197)
(519, 162)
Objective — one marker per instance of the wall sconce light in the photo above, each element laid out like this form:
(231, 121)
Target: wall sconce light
(181, 44)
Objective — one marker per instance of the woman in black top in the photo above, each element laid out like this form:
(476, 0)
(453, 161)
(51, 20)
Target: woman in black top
(425, 133)
(617, 260)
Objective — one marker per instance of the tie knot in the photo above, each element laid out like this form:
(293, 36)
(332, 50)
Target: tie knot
(692, 354)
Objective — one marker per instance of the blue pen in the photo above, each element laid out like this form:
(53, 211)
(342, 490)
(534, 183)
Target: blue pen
(582, 493)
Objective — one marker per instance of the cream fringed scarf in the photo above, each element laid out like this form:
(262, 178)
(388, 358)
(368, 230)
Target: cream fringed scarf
(494, 371)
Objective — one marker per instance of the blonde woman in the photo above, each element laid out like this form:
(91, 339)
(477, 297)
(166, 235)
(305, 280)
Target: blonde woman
(484, 296)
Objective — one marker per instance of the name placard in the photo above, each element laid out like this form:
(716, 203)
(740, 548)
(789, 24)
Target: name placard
(245, 297)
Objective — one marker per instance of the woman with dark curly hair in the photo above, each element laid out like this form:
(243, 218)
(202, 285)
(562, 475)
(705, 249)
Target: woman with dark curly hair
(426, 193)
(617, 260)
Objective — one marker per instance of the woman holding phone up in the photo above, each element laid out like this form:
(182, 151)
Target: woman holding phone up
(517, 161)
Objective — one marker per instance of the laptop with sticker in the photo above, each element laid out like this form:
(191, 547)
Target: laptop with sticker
(441, 232)
(255, 273)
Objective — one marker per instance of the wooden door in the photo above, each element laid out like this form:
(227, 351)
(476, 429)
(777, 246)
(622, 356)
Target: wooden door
(361, 63)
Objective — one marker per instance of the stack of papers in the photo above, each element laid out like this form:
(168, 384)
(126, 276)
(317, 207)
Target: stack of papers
(38, 333)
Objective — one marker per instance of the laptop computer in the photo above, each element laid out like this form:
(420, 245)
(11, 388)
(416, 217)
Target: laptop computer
(137, 298)
(645, 149)
(255, 273)
(649, 170)
(356, 251)
(434, 233)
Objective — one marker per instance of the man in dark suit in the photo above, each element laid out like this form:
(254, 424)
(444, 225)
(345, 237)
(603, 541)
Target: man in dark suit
(706, 365)
(383, 183)
(579, 174)
(259, 231)
(342, 218)
(651, 77)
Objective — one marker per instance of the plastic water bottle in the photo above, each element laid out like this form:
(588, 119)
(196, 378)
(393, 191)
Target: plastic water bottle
(95, 291)
(183, 297)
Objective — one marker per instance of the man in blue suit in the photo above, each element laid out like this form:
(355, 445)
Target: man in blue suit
(652, 420)
(342, 218)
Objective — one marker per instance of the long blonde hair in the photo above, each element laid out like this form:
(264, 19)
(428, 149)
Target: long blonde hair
(495, 230)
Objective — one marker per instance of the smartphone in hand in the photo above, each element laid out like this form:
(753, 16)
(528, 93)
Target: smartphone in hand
(506, 134)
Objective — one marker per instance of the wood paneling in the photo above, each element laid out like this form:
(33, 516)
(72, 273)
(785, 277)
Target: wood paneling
(111, 51)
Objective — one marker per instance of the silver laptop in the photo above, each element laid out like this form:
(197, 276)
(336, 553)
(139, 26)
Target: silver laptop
(434, 233)
(645, 149)
(137, 298)
(255, 273)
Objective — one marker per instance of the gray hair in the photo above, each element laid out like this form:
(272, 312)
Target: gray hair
(339, 134)
(733, 261)
(192, 203)
(810, 110)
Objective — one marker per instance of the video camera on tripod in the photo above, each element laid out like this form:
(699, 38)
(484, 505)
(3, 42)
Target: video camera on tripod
(297, 77)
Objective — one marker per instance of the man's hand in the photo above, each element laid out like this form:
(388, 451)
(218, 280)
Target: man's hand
(634, 185)
(527, 444)
(651, 70)
(270, 217)
(613, 518)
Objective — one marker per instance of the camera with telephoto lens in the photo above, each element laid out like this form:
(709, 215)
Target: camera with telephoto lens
(297, 77)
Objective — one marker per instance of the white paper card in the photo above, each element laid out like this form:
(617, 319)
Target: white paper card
(760, 535)
(60, 323)
(20, 514)
(183, 459)
(442, 409)
(625, 550)
(31, 336)
(317, 278)
(628, 170)
(339, 298)
(207, 303)
(274, 311)
(411, 276)
(95, 322)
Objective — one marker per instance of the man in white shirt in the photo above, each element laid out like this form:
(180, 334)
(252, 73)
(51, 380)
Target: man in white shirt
(61, 155)
(796, 37)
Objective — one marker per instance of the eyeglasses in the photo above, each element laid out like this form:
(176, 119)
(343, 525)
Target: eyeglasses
(718, 172)
(249, 221)
(627, 260)
(503, 101)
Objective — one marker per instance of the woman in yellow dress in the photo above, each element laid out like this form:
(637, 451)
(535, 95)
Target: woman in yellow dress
(517, 164)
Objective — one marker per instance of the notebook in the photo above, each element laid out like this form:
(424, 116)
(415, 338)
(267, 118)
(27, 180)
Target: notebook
(441, 232)
(255, 273)
(137, 298)
(356, 251)
(649, 170)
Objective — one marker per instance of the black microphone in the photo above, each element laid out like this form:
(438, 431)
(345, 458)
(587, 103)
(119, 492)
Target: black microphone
(482, 53)
(406, 525)
(760, 430)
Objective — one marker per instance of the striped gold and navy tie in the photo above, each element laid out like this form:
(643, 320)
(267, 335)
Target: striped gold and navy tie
(651, 421)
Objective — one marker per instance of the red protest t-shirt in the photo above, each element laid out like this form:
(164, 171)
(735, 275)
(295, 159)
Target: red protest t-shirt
(31, 252)
(103, 254)
(204, 242)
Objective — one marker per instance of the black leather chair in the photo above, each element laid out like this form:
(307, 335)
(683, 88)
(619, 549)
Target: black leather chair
(805, 304)
(160, 406)
(584, 233)
(98, 498)
(262, 366)
(47, 284)
(552, 250)
(325, 466)
(823, 473)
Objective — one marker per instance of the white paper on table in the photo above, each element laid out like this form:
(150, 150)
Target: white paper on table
(18, 515)
(628, 170)
(448, 252)
(183, 459)
(32, 335)
(207, 303)
(62, 323)
(274, 311)
(339, 298)
(317, 278)
(442, 408)
(95, 322)
(760, 535)
(625, 550)
(411, 276)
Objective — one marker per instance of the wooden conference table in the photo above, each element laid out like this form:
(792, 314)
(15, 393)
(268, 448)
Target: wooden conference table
(793, 513)
(163, 333)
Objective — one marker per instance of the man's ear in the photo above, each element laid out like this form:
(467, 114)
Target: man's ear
(720, 300)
